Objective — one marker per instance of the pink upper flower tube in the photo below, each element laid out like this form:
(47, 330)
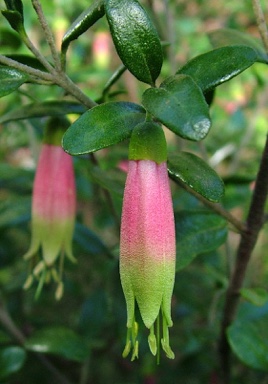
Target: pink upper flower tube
(53, 208)
(147, 246)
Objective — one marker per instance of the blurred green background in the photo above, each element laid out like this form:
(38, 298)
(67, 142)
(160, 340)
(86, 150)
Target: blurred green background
(83, 335)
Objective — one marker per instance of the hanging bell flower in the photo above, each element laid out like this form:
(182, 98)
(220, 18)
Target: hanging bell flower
(147, 244)
(53, 210)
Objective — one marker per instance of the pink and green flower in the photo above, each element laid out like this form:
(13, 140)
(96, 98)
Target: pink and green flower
(53, 212)
(147, 246)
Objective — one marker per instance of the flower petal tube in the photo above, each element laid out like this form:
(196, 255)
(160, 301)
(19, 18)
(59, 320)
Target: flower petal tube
(147, 248)
(53, 212)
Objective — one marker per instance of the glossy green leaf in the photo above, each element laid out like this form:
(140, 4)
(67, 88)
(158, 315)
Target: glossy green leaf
(218, 66)
(59, 341)
(15, 20)
(228, 36)
(180, 105)
(135, 38)
(12, 360)
(197, 232)
(83, 23)
(249, 341)
(257, 296)
(10, 80)
(15, 5)
(47, 108)
(195, 172)
(102, 126)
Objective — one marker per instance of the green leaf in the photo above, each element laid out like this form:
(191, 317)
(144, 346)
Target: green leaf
(197, 232)
(9, 39)
(218, 66)
(15, 5)
(257, 296)
(180, 105)
(11, 360)
(249, 341)
(135, 38)
(47, 108)
(15, 20)
(59, 341)
(83, 23)
(195, 172)
(228, 36)
(10, 80)
(102, 126)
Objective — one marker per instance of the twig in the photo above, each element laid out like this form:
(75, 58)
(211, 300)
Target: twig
(25, 68)
(115, 76)
(48, 34)
(217, 208)
(261, 22)
(248, 240)
(66, 83)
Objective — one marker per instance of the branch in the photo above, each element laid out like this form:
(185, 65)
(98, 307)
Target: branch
(25, 68)
(261, 22)
(248, 240)
(48, 34)
(217, 208)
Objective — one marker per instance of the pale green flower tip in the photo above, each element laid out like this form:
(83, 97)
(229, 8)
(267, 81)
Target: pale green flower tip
(31, 252)
(135, 353)
(69, 253)
(152, 344)
(127, 349)
(39, 268)
(59, 291)
(135, 330)
(28, 283)
(167, 349)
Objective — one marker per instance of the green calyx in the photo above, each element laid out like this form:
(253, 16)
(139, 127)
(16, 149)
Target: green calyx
(55, 128)
(148, 142)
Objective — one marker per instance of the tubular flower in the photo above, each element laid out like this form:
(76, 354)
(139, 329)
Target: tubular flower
(147, 245)
(53, 214)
